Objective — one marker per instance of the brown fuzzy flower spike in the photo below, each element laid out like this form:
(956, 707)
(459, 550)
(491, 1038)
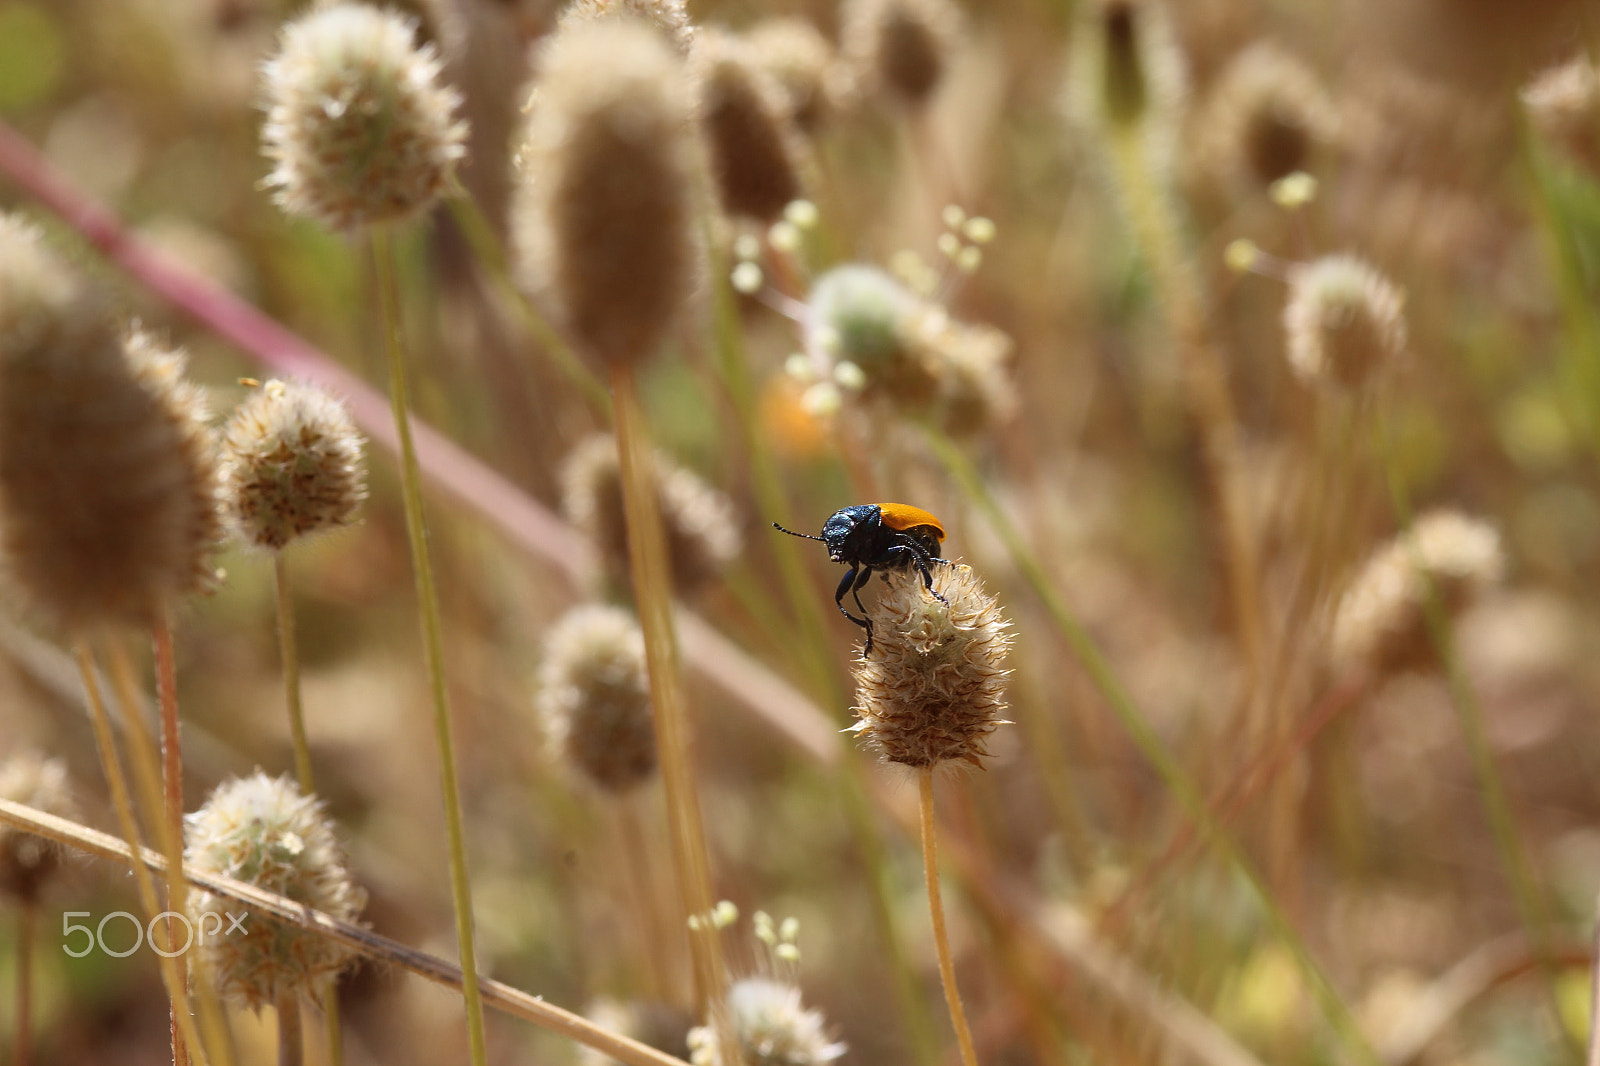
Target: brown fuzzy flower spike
(754, 150)
(595, 699)
(801, 59)
(108, 481)
(291, 465)
(934, 688)
(899, 49)
(604, 219)
(1344, 322)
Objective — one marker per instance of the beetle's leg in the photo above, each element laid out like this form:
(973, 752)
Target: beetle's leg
(856, 578)
(921, 558)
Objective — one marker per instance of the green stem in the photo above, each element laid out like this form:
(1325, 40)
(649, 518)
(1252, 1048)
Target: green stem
(432, 641)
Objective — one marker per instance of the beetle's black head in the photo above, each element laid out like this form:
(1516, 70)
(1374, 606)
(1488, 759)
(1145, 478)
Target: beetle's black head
(844, 531)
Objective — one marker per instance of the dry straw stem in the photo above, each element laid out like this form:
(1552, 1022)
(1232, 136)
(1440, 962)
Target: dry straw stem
(363, 942)
(604, 213)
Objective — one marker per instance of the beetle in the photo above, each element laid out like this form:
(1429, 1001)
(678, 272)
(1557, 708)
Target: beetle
(878, 536)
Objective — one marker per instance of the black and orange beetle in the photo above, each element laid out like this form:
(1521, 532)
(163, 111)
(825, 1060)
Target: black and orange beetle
(877, 536)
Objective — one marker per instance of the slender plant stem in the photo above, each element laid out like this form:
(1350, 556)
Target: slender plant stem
(23, 1048)
(122, 801)
(172, 799)
(291, 1047)
(432, 639)
(289, 653)
(653, 597)
(941, 937)
(636, 857)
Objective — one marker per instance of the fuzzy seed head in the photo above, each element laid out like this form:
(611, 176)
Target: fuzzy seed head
(701, 524)
(1126, 75)
(108, 474)
(669, 17)
(934, 686)
(291, 465)
(800, 59)
(27, 861)
(1381, 621)
(359, 129)
(594, 697)
(1266, 118)
(604, 219)
(1344, 321)
(858, 313)
(262, 831)
(899, 49)
(771, 1026)
(1564, 105)
(754, 151)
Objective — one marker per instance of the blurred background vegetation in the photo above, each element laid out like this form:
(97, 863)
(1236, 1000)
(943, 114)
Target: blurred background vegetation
(1082, 933)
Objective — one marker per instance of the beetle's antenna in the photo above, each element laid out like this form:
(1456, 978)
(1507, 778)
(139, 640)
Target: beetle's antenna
(792, 533)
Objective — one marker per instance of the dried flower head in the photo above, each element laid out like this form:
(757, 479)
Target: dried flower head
(262, 831)
(670, 17)
(291, 465)
(594, 697)
(898, 49)
(604, 218)
(1381, 621)
(796, 54)
(1266, 117)
(658, 1025)
(701, 524)
(771, 1026)
(1126, 77)
(1564, 106)
(108, 487)
(934, 688)
(27, 861)
(359, 129)
(1344, 321)
(755, 154)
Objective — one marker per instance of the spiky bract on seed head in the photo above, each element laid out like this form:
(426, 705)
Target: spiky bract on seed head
(771, 1026)
(801, 61)
(604, 218)
(27, 861)
(262, 831)
(1564, 106)
(701, 524)
(1381, 620)
(755, 153)
(1344, 321)
(1266, 117)
(669, 17)
(934, 686)
(359, 129)
(594, 697)
(291, 465)
(108, 481)
(898, 49)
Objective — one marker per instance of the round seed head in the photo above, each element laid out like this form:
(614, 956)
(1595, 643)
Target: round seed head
(934, 686)
(1564, 106)
(669, 17)
(859, 314)
(899, 49)
(108, 481)
(772, 1028)
(1381, 621)
(796, 54)
(1266, 118)
(701, 524)
(27, 861)
(359, 129)
(753, 148)
(262, 831)
(291, 465)
(1344, 321)
(594, 697)
(604, 218)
